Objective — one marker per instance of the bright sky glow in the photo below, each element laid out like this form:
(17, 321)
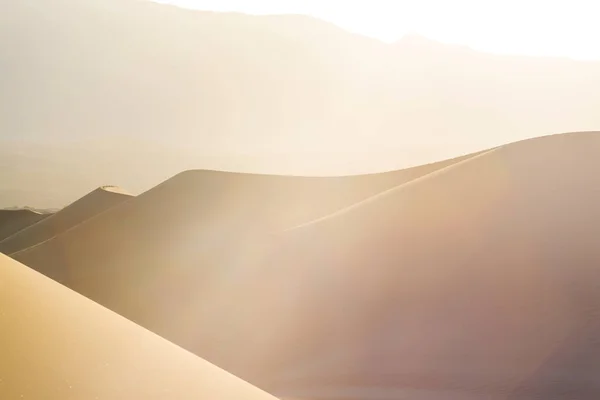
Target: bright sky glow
(534, 27)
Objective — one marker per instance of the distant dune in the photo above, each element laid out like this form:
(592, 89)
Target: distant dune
(14, 220)
(91, 204)
(57, 345)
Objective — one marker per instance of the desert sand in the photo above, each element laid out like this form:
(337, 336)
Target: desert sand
(473, 277)
(14, 220)
(58, 345)
(77, 212)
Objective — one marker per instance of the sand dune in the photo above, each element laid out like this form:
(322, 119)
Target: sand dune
(156, 258)
(478, 279)
(12, 221)
(91, 204)
(58, 345)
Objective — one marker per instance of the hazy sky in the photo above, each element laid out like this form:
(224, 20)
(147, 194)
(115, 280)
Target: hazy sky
(536, 27)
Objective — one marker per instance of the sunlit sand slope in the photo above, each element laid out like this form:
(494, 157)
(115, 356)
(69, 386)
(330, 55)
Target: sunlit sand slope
(58, 345)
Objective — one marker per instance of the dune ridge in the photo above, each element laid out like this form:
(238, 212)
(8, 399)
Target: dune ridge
(14, 220)
(93, 203)
(56, 345)
(114, 189)
(376, 196)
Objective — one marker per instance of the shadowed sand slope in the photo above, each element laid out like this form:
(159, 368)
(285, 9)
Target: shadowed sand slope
(91, 204)
(57, 345)
(167, 249)
(12, 221)
(479, 281)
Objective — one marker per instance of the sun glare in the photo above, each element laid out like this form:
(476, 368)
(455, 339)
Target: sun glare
(531, 27)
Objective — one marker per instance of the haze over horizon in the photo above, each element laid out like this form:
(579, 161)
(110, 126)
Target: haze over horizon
(283, 94)
(532, 27)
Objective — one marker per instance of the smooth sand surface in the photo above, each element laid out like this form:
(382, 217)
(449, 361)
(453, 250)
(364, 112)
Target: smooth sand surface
(58, 345)
(477, 280)
(156, 258)
(86, 207)
(12, 221)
